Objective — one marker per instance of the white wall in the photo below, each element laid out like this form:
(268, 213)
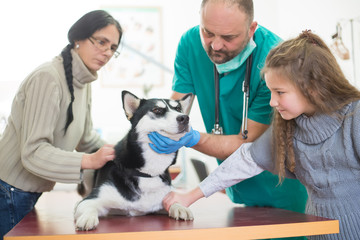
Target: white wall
(288, 18)
(34, 31)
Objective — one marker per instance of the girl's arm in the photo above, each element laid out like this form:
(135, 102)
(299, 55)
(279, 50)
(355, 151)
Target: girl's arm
(185, 199)
(236, 168)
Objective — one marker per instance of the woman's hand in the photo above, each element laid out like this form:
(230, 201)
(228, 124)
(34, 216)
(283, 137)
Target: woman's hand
(99, 158)
(184, 199)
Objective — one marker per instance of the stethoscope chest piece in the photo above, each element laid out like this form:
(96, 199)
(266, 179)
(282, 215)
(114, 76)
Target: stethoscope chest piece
(217, 130)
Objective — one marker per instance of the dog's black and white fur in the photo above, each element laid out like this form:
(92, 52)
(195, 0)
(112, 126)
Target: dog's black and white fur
(137, 180)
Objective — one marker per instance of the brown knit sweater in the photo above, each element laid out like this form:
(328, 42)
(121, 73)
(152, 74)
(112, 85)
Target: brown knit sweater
(34, 152)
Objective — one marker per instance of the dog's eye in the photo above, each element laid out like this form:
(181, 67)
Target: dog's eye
(158, 110)
(178, 108)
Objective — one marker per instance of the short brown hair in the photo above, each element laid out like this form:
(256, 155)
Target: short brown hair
(245, 5)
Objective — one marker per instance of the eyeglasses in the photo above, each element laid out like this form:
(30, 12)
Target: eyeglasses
(103, 46)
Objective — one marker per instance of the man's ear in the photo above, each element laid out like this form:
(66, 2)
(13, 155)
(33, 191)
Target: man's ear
(252, 29)
(130, 103)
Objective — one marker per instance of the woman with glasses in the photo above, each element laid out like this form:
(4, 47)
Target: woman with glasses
(49, 136)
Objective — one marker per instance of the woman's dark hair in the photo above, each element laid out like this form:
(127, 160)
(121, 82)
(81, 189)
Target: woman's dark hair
(80, 30)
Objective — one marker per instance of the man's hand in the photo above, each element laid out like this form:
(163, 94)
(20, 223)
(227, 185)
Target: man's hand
(162, 144)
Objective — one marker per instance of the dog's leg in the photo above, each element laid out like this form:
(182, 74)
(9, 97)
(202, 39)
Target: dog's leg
(86, 186)
(87, 214)
(178, 211)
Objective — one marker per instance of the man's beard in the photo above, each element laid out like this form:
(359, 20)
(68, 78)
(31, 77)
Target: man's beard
(220, 57)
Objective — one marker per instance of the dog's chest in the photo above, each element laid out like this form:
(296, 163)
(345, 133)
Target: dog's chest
(154, 163)
(151, 191)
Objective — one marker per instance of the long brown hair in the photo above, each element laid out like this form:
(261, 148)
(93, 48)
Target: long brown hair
(308, 62)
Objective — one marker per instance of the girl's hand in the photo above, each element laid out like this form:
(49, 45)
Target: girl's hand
(184, 199)
(99, 158)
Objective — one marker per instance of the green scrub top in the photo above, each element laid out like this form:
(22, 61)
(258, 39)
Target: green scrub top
(194, 73)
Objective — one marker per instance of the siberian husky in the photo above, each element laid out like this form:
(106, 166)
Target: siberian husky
(137, 180)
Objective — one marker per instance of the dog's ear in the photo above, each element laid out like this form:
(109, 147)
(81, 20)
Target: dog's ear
(130, 103)
(186, 102)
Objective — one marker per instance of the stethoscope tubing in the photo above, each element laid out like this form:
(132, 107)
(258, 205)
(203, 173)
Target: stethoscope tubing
(246, 90)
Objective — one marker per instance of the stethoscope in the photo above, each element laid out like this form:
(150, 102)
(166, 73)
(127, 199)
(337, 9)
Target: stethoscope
(217, 130)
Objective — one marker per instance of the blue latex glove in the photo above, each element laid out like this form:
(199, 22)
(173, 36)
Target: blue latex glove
(162, 144)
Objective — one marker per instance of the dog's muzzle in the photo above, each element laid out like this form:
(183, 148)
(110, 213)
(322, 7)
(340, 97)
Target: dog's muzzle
(183, 123)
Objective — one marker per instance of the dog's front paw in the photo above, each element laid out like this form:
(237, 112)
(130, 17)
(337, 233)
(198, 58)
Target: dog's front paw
(178, 211)
(86, 222)
(86, 218)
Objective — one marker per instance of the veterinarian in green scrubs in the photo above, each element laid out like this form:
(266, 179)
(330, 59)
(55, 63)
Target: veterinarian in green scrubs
(261, 190)
(194, 72)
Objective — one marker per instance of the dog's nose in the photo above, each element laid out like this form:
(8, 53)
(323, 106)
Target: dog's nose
(183, 119)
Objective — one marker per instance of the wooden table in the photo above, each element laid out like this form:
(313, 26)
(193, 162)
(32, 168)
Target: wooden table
(215, 218)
